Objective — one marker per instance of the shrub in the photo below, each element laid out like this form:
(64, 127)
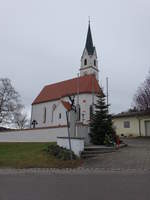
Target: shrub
(60, 152)
(109, 140)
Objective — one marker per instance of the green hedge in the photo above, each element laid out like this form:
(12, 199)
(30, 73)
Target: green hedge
(60, 152)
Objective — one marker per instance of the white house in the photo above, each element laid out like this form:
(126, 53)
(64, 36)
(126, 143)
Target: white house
(50, 106)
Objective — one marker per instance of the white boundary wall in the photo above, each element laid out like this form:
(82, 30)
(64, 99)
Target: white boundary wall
(77, 144)
(34, 135)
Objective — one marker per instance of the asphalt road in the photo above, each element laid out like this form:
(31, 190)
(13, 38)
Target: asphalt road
(88, 186)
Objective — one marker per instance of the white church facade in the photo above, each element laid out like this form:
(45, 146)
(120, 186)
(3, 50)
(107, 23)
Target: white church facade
(50, 106)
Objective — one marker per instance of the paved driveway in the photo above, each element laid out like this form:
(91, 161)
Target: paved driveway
(136, 156)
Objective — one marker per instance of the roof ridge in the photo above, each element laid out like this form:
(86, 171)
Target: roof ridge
(88, 75)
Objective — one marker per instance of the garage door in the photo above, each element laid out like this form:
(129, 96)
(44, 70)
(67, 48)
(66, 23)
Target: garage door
(147, 128)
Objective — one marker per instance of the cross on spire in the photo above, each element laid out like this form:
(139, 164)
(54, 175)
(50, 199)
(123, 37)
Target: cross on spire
(89, 20)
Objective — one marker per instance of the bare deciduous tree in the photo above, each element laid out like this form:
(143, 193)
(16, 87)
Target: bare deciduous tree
(20, 118)
(142, 96)
(9, 101)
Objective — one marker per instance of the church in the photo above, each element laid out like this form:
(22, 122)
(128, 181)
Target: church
(50, 106)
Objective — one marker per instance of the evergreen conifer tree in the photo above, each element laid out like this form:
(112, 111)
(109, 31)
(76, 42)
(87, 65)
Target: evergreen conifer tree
(101, 123)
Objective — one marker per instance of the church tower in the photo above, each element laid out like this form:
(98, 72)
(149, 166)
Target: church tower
(89, 63)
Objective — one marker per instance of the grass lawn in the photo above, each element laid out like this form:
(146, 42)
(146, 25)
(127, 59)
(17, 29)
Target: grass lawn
(30, 155)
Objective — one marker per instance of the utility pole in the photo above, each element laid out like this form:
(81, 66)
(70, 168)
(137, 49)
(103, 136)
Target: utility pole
(93, 91)
(78, 89)
(77, 106)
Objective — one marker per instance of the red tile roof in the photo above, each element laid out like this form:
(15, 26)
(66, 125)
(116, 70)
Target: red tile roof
(69, 87)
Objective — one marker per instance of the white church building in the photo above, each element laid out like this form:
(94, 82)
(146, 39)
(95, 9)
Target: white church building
(64, 107)
(50, 106)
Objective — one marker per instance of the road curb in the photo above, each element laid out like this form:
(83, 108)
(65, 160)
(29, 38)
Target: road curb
(51, 171)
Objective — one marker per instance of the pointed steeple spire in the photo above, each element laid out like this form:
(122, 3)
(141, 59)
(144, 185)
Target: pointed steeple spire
(89, 42)
(89, 62)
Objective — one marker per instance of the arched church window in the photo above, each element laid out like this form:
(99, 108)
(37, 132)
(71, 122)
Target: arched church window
(44, 115)
(85, 62)
(78, 112)
(59, 115)
(53, 109)
(94, 62)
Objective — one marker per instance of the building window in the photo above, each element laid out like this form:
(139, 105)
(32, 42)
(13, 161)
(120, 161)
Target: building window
(53, 109)
(85, 62)
(83, 117)
(126, 124)
(94, 62)
(91, 111)
(78, 112)
(52, 118)
(44, 115)
(59, 115)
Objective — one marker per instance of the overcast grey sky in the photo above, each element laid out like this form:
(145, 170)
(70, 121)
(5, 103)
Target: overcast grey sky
(41, 42)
